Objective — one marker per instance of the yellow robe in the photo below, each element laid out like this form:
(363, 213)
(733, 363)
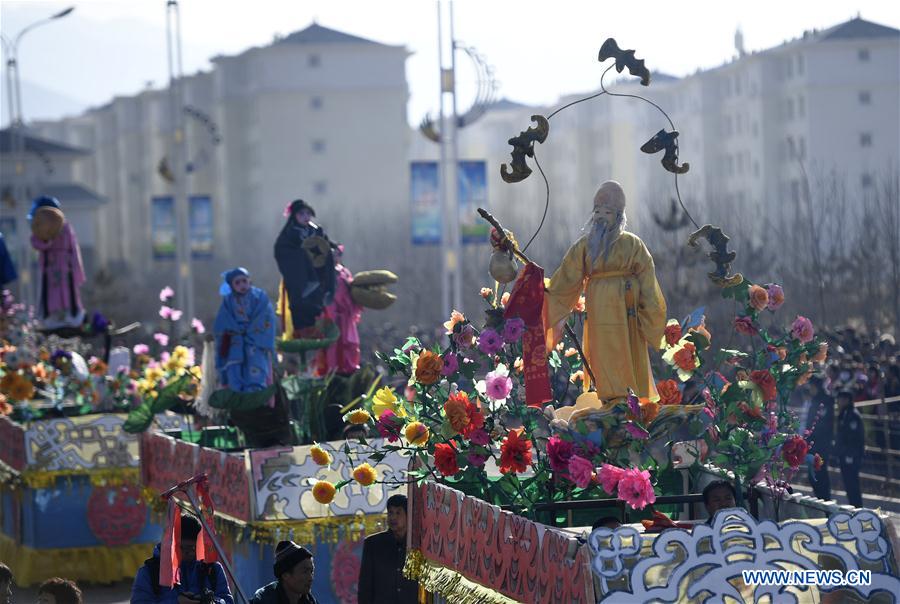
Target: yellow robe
(626, 313)
(283, 310)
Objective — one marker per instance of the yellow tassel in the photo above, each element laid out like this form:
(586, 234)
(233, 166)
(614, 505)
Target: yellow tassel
(448, 583)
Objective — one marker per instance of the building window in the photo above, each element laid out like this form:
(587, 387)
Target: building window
(863, 54)
(865, 97)
(314, 60)
(316, 102)
(865, 139)
(320, 187)
(318, 146)
(866, 180)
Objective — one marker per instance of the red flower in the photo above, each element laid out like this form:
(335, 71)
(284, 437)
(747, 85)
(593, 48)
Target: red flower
(515, 452)
(766, 383)
(673, 334)
(686, 358)
(445, 459)
(744, 325)
(669, 394)
(794, 451)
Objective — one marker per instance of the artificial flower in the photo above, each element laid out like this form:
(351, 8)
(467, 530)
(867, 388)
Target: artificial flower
(445, 459)
(766, 382)
(794, 450)
(365, 475)
(515, 452)
(513, 330)
(759, 297)
(455, 317)
(323, 491)
(559, 452)
(358, 417)
(744, 326)
(161, 338)
(649, 411)
(428, 368)
(802, 329)
(490, 342)
(417, 434)
(776, 296)
(669, 393)
(140, 349)
(197, 326)
(609, 476)
(389, 425)
(166, 293)
(165, 312)
(635, 488)
(385, 399)
(320, 455)
(581, 471)
(451, 364)
(672, 333)
(486, 293)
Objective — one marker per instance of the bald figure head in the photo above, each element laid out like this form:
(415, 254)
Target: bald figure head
(610, 194)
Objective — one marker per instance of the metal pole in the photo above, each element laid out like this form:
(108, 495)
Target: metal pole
(212, 537)
(442, 176)
(185, 286)
(453, 196)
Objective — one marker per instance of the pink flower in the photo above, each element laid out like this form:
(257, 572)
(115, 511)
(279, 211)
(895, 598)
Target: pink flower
(141, 349)
(635, 488)
(513, 330)
(490, 342)
(166, 293)
(559, 452)
(802, 329)
(389, 425)
(744, 325)
(161, 338)
(776, 296)
(497, 384)
(165, 312)
(480, 437)
(197, 326)
(610, 476)
(466, 336)
(176, 314)
(476, 460)
(451, 364)
(409, 393)
(581, 471)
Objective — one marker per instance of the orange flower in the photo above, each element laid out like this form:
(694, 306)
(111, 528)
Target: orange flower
(669, 394)
(759, 297)
(365, 475)
(320, 455)
(417, 434)
(504, 299)
(323, 492)
(455, 410)
(649, 411)
(486, 292)
(98, 367)
(428, 368)
(39, 371)
(515, 452)
(519, 365)
(686, 357)
(455, 317)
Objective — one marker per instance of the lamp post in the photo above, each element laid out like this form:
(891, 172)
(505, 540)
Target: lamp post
(184, 279)
(17, 146)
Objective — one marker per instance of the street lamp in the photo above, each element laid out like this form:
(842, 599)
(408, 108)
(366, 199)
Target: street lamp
(17, 153)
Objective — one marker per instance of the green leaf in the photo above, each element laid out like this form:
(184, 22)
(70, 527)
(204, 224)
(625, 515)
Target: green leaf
(376, 457)
(343, 483)
(138, 420)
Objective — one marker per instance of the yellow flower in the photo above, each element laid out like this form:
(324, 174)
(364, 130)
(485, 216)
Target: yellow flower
(181, 353)
(320, 455)
(323, 492)
(358, 416)
(154, 374)
(196, 372)
(365, 475)
(385, 399)
(417, 434)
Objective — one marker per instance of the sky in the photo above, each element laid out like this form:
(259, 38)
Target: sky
(540, 50)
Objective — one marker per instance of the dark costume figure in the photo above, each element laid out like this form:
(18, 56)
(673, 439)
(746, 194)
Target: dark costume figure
(849, 446)
(62, 273)
(306, 269)
(820, 420)
(7, 268)
(245, 334)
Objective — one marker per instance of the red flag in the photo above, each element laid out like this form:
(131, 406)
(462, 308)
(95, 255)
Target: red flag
(170, 548)
(527, 302)
(206, 551)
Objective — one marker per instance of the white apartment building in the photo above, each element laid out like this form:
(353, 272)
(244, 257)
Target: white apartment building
(318, 115)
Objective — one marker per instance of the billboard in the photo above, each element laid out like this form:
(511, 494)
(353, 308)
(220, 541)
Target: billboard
(471, 183)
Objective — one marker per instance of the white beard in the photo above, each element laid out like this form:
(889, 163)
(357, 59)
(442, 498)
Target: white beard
(601, 236)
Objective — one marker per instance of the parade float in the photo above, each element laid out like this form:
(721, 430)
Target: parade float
(71, 502)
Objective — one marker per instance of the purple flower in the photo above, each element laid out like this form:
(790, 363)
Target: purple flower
(636, 431)
(490, 342)
(498, 384)
(141, 349)
(513, 330)
(451, 364)
(559, 452)
(634, 404)
(802, 329)
(476, 460)
(776, 296)
(165, 312)
(161, 338)
(480, 437)
(465, 337)
(99, 323)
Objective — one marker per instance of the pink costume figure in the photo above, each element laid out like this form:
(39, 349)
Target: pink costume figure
(343, 355)
(62, 274)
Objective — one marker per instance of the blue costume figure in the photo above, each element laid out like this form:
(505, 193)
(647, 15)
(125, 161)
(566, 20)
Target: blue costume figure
(245, 334)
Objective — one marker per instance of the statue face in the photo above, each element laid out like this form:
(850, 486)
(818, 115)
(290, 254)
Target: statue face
(241, 284)
(605, 214)
(303, 216)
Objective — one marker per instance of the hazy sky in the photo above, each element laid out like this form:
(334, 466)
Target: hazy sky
(539, 49)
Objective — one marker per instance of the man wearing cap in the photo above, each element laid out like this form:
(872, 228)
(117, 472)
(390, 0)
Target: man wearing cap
(850, 445)
(381, 579)
(626, 311)
(294, 569)
(245, 334)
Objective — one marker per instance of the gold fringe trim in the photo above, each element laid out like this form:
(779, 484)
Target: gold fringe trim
(95, 564)
(449, 583)
(45, 479)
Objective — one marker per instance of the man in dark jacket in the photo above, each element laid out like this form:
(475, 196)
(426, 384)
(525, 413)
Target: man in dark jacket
(294, 571)
(850, 445)
(381, 579)
(820, 422)
(199, 582)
